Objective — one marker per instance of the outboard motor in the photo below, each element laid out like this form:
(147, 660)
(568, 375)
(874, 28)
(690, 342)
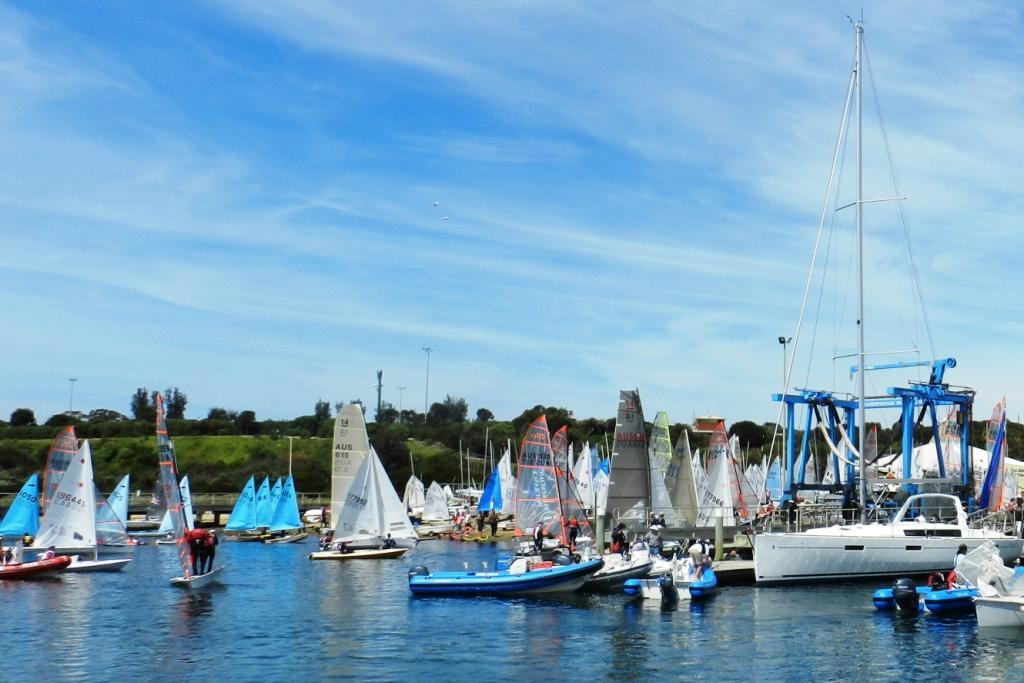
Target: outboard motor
(419, 570)
(561, 559)
(669, 595)
(904, 594)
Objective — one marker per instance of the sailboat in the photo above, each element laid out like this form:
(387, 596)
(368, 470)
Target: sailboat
(372, 523)
(681, 480)
(69, 523)
(172, 495)
(286, 525)
(22, 517)
(414, 497)
(629, 490)
(167, 527)
(659, 460)
(241, 524)
(910, 543)
(350, 448)
(435, 520)
(62, 450)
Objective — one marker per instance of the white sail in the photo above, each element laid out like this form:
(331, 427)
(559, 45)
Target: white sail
(449, 494)
(350, 449)
(186, 502)
(583, 475)
(435, 506)
(414, 497)
(601, 484)
(700, 483)
(372, 510)
(508, 484)
(717, 501)
(118, 500)
(70, 519)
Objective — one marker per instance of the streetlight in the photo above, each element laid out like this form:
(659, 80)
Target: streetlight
(71, 398)
(290, 439)
(400, 390)
(785, 377)
(784, 341)
(426, 392)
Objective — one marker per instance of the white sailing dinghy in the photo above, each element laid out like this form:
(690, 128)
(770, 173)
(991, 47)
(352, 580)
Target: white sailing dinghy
(167, 527)
(69, 524)
(350, 448)
(172, 494)
(436, 520)
(372, 522)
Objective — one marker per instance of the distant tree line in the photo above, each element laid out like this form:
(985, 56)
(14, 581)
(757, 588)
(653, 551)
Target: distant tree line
(431, 444)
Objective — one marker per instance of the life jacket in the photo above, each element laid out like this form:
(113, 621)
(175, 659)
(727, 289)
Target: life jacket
(573, 523)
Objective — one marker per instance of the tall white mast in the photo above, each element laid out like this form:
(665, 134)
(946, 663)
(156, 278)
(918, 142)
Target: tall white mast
(862, 413)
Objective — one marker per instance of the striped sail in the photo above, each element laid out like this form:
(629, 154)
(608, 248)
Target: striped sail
(991, 498)
(629, 488)
(537, 501)
(169, 487)
(560, 447)
(70, 519)
(351, 446)
(63, 448)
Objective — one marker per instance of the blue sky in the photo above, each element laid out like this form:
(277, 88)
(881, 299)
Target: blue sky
(238, 198)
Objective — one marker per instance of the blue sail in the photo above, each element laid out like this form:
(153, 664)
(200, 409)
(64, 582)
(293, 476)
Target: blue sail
(243, 515)
(110, 529)
(23, 515)
(275, 499)
(263, 510)
(118, 500)
(286, 515)
(991, 490)
(491, 498)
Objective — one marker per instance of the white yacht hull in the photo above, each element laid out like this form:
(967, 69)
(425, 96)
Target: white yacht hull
(805, 558)
(1000, 611)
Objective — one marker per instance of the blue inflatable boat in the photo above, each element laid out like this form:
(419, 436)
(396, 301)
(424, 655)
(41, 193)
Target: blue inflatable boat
(521, 577)
(908, 597)
(669, 591)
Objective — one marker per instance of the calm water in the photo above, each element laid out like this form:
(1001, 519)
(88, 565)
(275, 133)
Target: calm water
(282, 617)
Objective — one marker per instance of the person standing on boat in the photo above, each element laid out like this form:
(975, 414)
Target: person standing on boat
(210, 551)
(654, 540)
(493, 521)
(618, 539)
(538, 536)
(574, 532)
(196, 539)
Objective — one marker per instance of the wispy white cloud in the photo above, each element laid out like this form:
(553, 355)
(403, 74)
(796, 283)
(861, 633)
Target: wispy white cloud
(630, 196)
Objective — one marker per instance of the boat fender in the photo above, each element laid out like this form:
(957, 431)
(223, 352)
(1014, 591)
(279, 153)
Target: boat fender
(904, 593)
(419, 570)
(632, 587)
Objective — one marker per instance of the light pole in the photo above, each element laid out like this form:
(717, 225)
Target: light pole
(290, 439)
(426, 392)
(785, 377)
(71, 398)
(400, 390)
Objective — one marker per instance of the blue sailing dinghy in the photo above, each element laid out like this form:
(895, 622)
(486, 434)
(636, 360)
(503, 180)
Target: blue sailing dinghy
(522, 576)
